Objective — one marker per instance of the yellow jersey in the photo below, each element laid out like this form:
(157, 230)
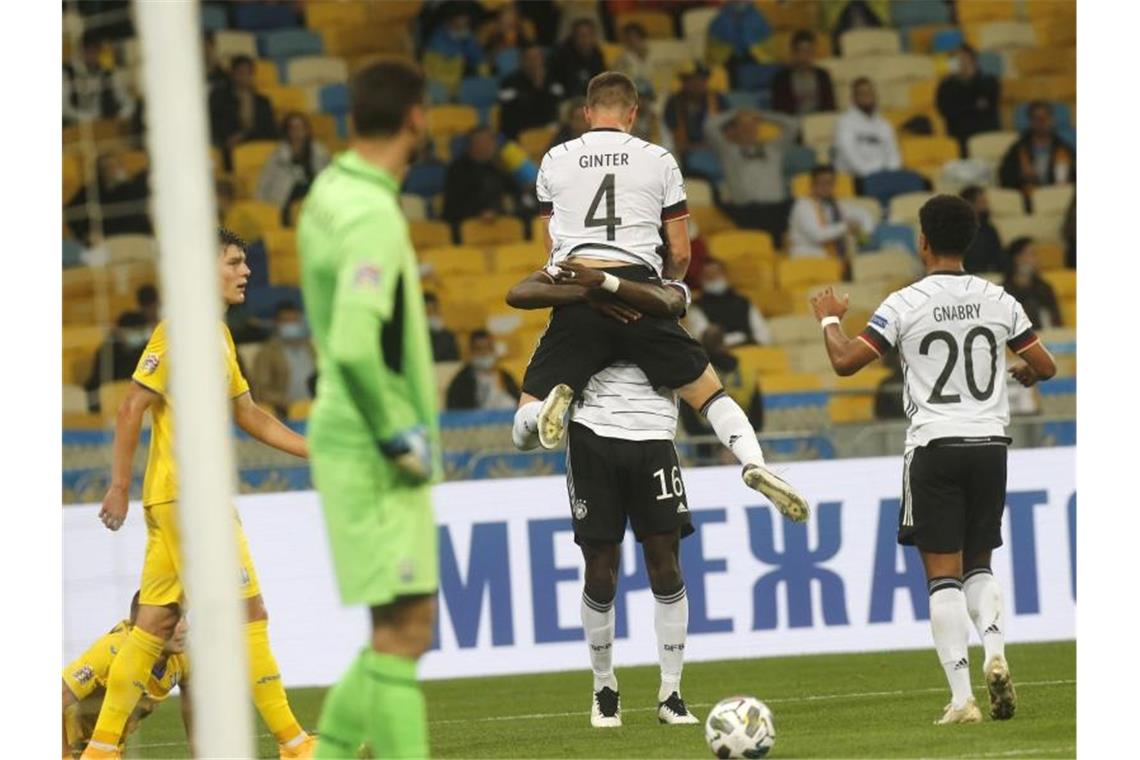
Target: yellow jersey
(160, 484)
(86, 677)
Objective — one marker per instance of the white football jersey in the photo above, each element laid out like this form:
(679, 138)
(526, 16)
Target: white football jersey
(619, 402)
(951, 330)
(607, 194)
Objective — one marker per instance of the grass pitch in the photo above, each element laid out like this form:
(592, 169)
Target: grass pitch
(863, 705)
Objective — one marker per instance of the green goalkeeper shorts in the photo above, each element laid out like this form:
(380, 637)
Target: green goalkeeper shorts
(382, 532)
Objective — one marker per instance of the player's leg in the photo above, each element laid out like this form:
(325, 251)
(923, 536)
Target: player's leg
(597, 608)
(670, 621)
(266, 685)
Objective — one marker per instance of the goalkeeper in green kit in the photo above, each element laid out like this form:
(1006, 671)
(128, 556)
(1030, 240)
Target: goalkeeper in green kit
(373, 431)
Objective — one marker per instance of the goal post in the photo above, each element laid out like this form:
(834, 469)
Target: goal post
(184, 213)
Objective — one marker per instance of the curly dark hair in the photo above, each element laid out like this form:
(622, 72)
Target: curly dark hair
(949, 224)
(226, 238)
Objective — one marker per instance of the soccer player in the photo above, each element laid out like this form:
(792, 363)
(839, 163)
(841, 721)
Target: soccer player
(374, 426)
(606, 197)
(85, 682)
(161, 592)
(951, 330)
(621, 465)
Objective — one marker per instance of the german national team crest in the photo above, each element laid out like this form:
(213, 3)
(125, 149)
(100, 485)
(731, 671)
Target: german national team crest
(150, 364)
(579, 509)
(84, 674)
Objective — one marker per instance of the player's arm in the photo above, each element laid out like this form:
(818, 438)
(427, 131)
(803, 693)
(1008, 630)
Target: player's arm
(266, 428)
(847, 355)
(186, 706)
(1036, 362)
(668, 300)
(70, 706)
(678, 248)
(540, 290)
(128, 423)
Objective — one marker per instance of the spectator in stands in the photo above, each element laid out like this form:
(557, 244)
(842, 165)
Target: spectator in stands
(91, 91)
(573, 123)
(741, 386)
(865, 141)
(529, 97)
(238, 112)
(118, 356)
(1040, 157)
(719, 304)
(482, 384)
(968, 99)
(293, 166)
(454, 42)
(475, 184)
(216, 74)
(737, 35)
(985, 254)
(801, 87)
(443, 345)
(1024, 282)
(854, 14)
(283, 366)
(634, 58)
(686, 111)
(507, 32)
(647, 124)
(121, 199)
(753, 167)
(149, 307)
(578, 59)
(822, 226)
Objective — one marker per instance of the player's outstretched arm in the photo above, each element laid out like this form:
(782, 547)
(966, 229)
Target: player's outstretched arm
(187, 708)
(648, 298)
(128, 423)
(268, 429)
(847, 355)
(540, 291)
(679, 249)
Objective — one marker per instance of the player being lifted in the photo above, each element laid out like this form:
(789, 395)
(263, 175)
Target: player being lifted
(951, 330)
(374, 426)
(161, 592)
(605, 197)
(621, 465)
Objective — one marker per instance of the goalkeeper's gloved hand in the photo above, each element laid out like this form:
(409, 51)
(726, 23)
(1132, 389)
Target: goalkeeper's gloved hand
(410, 451)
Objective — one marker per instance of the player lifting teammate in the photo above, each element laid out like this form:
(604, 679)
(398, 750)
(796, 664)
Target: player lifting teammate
(161, 593)
(621, 465)
(605, 198)
(951, 330)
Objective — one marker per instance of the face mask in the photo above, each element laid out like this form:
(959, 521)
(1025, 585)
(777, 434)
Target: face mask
(483, 363)
(435, 323)
(293, 331)
(134, 339)
(716, 287)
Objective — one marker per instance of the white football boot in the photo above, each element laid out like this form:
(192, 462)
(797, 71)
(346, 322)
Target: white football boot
(605, 709)
(785, 498)
(967, 713)
(673, 711)
(1003, 699)
(552, 416)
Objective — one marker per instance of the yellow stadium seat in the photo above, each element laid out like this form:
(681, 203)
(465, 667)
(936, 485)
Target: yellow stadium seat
(1069, 311)
(324, 14)
(904, 207)
(698, 192)
(737, 243)
(806, 271)
(657, 25)
(250, 157)
(843, 409)
(388, 12)
(770, 300)
(536, 141)
(1050, 254)
(1064, 10)
(455, 260)
(427, 233)
(1039, 228)
(284, 266)
(1052, 200)
(414, 207)
(990, 146)
(1005, 202)
(134, 161)
(986, 10)
(1063, 281)
(1001, 35)
(74, 399)
(818, 129)
(927, 151)
(710, 220)
(784, 16)
(252, 219)
(844, 185)
(319, 70)
(921, 38)
(285, 99)
(922, 94)
(1058, 32)
(869, 41)
(522, 342)
(130, 248)
(791, 382)
(1053, 87)
(524, 257)
(324, 128)
(502, 229)
(762, 360)
(280, 242)
(808, 357)
(611, 51)
(299, 409)
(111, 396)
(884, 266)
(231, 42)
(447, 121)
(462, 315)
(266, 77)
(72, 174)
(794, 328)
(1045, 60)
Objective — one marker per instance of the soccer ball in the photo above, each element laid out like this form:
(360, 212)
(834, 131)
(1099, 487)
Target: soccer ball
(740, 727)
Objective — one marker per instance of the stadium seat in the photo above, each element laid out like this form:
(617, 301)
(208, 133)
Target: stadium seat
(288, 43)
(1045, 228)
(72, 254)
(884, 266)
(322, 15)
(444, 122)
(527, 256)
(869, 41)
(1046, 60)
(1025, 89)
(1052, 200)
(74, 399)
(1055, 32)
(231, 42)
(710, 220)
(806, 271)
(894, 236)
(904, 207)
(478, 92)
(258, 16)
(792, 382)
(844, 185)
(1069, 311)
(503, 229)
(1063, 281)
(869, 206)
(986, 10)
(794, 328)
(797, 160)
(887, 184)
(425, 179)
(299, 409)
(333, 98)
(818, 129)
(251, 219)
(845, 409)
(429, 234)
(703, 163)
(1005, 202)
(413, 207)
(1050, 254)
(784, 16)
(72, 173)
(536, 141)
(698, 192)
(694, 28)
(990, 146)
(1062, 116)
(122, 249)
(753, 77)
(807, 357)
(657, 24)
(506, 62)
(286, 99)
(738, 243)
(908, 13)
(455, 261)
(761, 360)
(1001, 35)
(250, 157)
(946, 40)
(315, 70)
(285, 270)
(927, 152)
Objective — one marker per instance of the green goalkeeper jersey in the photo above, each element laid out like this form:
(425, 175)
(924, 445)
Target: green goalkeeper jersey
(362, 295)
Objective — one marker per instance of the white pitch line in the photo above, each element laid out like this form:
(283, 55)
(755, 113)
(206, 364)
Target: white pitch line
(1026, 751)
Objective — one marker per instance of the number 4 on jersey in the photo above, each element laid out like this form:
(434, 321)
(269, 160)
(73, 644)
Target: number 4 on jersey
(609, 221)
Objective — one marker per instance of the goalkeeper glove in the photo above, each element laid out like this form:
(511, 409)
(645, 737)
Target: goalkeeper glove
(410, 451)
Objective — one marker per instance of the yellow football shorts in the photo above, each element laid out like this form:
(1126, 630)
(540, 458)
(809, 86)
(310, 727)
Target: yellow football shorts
(162, 565)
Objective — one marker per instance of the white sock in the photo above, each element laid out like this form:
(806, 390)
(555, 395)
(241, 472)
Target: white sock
(598, 622)
(732, 427)
(671, 622)
(950, 623)
(525, 430)
(984, 602)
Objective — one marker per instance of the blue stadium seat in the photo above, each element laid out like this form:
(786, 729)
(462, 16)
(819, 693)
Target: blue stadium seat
(425, 179)
(72, 254)
(341, 125)
(256, 16)
(214, 17)
(918, 12)
(480, 92)
(438, 92)
(798, 159)
(260, 302)
(1062, 117)
(288, 43)
(990, 62)
(893, 236)
(885, 185)
(507, 62)
(333, 98)
(741, 99)
(764, 99)
(756, 76)
(946, 40)
(703, 163)
(257, 258)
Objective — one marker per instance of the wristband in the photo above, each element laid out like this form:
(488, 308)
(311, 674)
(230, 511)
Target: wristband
(609, 282)
(823, 323)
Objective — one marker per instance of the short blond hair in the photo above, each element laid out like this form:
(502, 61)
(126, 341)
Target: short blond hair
(611, 89)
